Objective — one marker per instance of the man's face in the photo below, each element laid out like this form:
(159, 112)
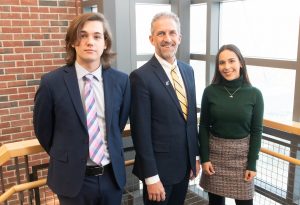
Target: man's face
(165, 38)
(90, 45)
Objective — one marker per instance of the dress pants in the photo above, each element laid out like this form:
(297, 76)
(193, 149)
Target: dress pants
(96, 190)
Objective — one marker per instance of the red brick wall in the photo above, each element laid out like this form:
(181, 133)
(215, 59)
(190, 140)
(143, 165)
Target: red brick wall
(31, 43)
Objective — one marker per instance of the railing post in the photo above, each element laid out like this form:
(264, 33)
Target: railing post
(292, 172)
(2, 182)
(21, 195)
(34, 177)
(30, 194)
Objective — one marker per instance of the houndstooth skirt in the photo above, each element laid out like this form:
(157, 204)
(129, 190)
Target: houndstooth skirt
(229, 158)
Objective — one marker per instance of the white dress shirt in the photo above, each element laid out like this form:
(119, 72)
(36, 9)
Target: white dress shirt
(168, 67)
(97, 85)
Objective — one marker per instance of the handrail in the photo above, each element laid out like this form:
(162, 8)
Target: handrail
(21, 187)
(21, 148)
(286, 126)
(31, 185)
(17, 149)
(281, 156)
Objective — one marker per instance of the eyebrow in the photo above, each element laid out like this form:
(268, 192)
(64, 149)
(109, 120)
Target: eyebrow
(83, 31)
(228, 59)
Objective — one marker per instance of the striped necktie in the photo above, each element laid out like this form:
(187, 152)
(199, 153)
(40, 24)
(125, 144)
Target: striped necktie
(97, 145)
(179, 92)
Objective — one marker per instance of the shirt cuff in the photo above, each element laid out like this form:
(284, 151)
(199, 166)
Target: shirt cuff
(152, 180)
(197, 157)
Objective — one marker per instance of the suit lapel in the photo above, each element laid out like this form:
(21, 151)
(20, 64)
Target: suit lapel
(162, 76)
(73, 88)
(108, 87)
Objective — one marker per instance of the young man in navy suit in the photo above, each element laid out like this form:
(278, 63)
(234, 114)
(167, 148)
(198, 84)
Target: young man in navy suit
(163, 118)
(80, 112)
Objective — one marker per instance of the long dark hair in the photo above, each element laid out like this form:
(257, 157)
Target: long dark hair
(243, 70)
(73, 37)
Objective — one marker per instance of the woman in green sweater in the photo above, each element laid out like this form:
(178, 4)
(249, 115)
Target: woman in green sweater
(230, 130)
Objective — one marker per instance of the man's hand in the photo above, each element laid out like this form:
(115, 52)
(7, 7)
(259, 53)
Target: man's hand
(156, 192)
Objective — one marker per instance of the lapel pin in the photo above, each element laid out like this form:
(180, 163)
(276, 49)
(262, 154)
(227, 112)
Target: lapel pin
(168, 83)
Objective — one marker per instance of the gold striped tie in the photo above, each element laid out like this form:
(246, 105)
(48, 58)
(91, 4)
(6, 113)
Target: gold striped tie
(179, 92)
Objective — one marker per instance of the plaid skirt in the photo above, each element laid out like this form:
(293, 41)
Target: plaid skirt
(229, 159)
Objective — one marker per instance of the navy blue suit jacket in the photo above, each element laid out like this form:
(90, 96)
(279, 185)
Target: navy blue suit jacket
(60, 126)
(165, 143)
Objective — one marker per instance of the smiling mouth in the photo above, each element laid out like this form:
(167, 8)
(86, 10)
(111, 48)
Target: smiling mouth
(167, 46)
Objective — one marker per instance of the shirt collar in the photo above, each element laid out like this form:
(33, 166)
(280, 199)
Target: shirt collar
(81, 72)
(165, 63)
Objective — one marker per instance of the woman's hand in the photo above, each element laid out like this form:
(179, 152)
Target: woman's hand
(208, 168)
(249, 175)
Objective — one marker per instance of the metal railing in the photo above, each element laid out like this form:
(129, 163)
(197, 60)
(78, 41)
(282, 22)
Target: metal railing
(277, 182)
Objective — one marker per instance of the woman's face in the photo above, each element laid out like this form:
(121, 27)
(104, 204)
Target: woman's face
(229, 65)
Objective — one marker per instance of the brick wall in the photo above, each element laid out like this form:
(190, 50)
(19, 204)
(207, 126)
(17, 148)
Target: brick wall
(31, 43)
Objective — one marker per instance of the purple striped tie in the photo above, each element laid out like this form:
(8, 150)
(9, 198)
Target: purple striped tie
(96, 141)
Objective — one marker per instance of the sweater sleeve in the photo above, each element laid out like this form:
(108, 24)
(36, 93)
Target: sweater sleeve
(255, 130)
(204, 128)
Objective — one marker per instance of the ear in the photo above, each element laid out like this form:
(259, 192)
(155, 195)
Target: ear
(179, 38)
(151, 39)
(105, 44)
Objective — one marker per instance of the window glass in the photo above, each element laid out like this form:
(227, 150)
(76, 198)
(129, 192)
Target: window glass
(199, 72)
(140, 63)
(261, 28)
(198, 28)
(91, 9)
(278, 87)
(144, 15)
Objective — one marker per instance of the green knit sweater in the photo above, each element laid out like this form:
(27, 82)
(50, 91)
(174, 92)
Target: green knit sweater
(232, 118)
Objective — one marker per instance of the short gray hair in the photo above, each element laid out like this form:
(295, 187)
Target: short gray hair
(167, 15)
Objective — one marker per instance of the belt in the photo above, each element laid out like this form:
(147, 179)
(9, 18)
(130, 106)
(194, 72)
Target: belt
(96, 170)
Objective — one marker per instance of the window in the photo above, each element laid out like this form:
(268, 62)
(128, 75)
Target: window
(140, 63)
(278, 87)
(199, 72)
(198, 29)
(261, 28)
(91, 9)
(144, 15)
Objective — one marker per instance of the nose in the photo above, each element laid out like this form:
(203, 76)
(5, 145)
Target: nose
(90, 41)
(167, 38)
(226, 65)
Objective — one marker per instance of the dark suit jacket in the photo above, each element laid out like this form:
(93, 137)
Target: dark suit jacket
(165, 143)
(60, 126)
